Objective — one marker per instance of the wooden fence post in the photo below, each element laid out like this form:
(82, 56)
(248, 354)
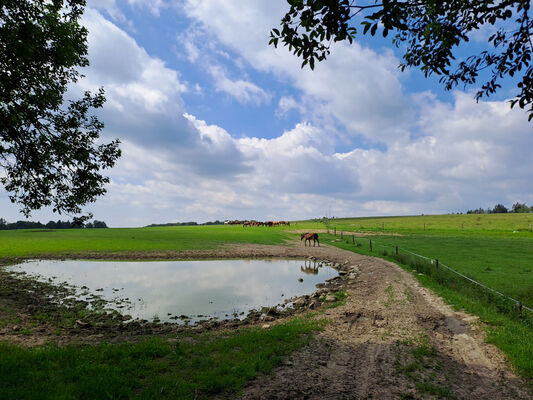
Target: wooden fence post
(353, 239)
(341, 234)
(437, 264)
(396, 250)
(370, 244)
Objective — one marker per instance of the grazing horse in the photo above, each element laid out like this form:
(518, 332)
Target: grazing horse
(309, 237)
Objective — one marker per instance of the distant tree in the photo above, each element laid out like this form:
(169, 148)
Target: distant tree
(49, 149)
(499, 209)
(430, 31)
(51, 225)
(99, 224)
(89, 225)
(520, 208)
(3, 223)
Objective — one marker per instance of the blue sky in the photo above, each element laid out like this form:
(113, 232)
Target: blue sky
(216, 124)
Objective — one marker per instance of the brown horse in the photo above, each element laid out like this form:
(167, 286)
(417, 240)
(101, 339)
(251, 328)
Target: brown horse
(309, 237)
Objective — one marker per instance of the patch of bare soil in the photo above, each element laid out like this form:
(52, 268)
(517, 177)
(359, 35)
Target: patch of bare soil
(391, 338)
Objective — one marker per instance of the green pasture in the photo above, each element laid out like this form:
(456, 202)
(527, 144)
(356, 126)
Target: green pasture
(494, 249)
(41, 242)
(187, 367)
(457, 224)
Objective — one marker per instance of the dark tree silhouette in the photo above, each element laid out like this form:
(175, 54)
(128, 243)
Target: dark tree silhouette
(48, 146)
(430, 30)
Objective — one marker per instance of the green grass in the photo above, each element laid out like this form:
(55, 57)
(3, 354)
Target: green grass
(199, 367)
(487, 224)
(31, 243)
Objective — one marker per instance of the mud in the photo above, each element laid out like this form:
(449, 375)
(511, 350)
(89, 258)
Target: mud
(390, 339)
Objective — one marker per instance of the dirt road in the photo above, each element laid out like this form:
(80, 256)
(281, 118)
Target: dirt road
(392, 339)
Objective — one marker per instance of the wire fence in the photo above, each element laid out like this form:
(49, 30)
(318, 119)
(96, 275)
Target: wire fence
(444, 274)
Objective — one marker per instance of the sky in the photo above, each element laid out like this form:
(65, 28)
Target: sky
(217, 124)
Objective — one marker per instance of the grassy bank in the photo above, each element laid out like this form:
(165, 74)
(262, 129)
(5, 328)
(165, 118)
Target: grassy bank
(196, 367)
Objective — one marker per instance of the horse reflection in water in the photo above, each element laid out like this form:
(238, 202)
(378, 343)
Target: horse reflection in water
(311, 268)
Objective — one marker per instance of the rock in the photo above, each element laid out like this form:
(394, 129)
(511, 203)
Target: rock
(16, 328)
(273, 311)
(330, 297)
(332, 279)
(342, 273)
(268, 318)
(298, 302)
(352, 276)
(82, 324)
(266, 326)
(320, 285)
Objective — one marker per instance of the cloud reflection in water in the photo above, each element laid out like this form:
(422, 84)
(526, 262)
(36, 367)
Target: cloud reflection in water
(211, 288)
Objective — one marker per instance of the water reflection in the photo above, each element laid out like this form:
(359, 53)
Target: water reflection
(200, 289)
(311, 267)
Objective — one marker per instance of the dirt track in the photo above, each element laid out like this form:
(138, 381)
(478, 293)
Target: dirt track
(369, 348)
(392, 339)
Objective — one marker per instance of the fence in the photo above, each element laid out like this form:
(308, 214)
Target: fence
(447, 276)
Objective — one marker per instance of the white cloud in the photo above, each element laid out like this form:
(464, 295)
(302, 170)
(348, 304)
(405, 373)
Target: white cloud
(243, 91)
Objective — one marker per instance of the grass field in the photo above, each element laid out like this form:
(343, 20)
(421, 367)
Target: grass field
(198, 368)
(495, 249)
(28, 243)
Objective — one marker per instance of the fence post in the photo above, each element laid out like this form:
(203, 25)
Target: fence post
(370, 244)
(437, 264)
(396, 250)
(341, 234)
(335, 231)
(353, 239)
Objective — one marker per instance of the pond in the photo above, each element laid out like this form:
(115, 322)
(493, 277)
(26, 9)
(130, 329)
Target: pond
(171, 290)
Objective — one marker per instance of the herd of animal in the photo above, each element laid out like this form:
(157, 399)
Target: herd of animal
(259, 223)
(307, 236)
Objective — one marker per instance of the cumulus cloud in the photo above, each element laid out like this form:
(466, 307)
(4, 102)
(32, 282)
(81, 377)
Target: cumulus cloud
(434, 156)
(242, 90)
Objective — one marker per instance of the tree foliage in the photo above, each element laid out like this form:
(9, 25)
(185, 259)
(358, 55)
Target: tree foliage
(49, 147)
(430, 30)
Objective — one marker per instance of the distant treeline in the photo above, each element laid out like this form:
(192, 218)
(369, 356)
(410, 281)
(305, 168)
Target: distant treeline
(192, 223)
(4, 225)
(501, 209)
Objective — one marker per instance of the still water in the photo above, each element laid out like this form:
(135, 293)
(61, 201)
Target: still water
(166, 290)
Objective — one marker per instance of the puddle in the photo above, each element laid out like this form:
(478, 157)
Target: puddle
(171, 290)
